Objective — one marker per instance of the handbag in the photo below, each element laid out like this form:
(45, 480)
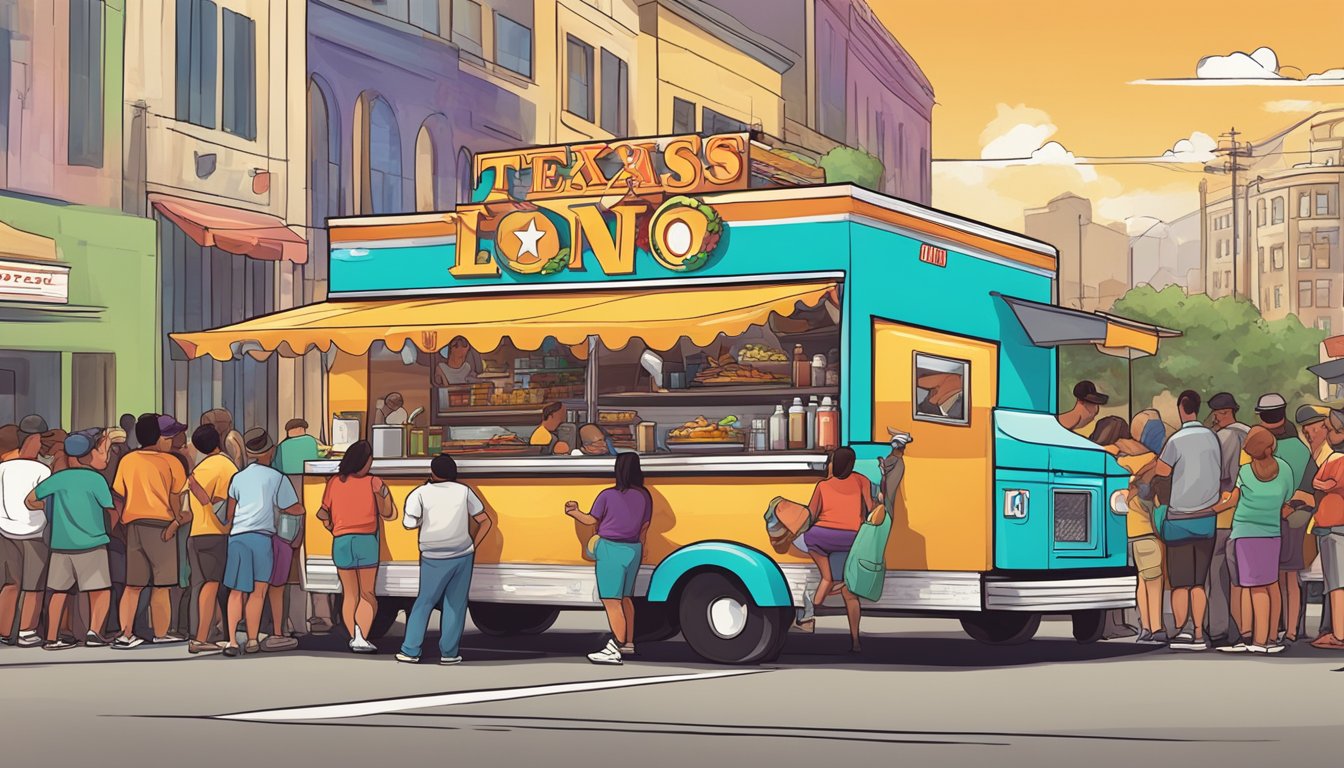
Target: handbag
(289, 527)
(785, 522)
(866, 567)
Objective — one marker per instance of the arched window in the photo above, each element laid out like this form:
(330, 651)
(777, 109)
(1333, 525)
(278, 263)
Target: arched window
(433, 165)
(466, 180)
(380, 162)
(324, 181)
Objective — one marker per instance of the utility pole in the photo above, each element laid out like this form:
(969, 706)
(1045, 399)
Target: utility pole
(1232, 150)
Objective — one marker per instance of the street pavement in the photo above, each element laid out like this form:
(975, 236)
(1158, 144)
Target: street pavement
(919, 694)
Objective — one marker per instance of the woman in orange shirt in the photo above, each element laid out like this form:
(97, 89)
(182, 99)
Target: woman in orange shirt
(351, 506)
(839, 505)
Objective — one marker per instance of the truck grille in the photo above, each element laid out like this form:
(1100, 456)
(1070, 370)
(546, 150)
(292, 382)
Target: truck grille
(1073, 516)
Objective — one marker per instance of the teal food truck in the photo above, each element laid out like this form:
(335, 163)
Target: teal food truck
(731, 335)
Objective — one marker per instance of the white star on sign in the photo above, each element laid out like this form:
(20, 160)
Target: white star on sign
(527, 239)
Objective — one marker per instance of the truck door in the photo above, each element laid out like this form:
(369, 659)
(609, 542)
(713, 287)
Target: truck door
(941, 388)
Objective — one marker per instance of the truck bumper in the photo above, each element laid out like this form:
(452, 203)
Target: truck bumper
(1062, 595)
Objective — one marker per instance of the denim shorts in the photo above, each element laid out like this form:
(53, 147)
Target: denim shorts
(355, 550)
(249, 561)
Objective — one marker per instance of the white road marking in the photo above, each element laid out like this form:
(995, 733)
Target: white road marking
(384, 706)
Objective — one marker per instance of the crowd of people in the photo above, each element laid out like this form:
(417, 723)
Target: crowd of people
(1224, 517)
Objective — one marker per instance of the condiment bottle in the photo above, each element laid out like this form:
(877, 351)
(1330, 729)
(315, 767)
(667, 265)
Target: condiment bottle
(818, 370)
(797, 425)
(828, 426)
(802, 369)
(760, 435)
(812, 409)
(779, 430)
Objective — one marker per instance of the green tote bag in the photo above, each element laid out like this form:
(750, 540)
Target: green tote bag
(866, 568)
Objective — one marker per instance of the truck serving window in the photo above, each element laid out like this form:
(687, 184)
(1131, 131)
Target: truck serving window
(940, 389)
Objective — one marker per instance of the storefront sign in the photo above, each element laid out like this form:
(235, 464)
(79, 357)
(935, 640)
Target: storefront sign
(23, 281)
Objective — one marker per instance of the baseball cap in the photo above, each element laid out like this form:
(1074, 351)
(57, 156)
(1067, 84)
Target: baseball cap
(1337, 419)
(1310, 414)
(1223, 401)
(1087, 392)
(116, 435)
(257, 440)
(1272, 401)
(77, 445)
(170, 427)
(33, 425)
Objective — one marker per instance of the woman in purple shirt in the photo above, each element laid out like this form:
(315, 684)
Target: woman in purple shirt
(622, 515)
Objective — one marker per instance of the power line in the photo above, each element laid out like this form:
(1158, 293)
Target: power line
(1125, 159)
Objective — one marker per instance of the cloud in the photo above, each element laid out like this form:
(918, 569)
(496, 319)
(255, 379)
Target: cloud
(1257, 68)
(1196, 149)
(1020, 135)
(1296, 105)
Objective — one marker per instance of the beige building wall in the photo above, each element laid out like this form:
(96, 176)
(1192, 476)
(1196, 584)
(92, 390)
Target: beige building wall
(1094, 264)
(610, 26)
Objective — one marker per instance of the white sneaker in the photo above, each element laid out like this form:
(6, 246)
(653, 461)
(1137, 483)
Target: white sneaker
(1266, 648)
(610, 654)
(359, 645)
(1185, 641)
(449, 661)
(1237, 648)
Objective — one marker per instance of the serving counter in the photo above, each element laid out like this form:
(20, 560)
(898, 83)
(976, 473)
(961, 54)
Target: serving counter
(588, 466)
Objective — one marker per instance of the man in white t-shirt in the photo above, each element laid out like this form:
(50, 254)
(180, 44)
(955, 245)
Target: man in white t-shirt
(442, 509)
(23, 547)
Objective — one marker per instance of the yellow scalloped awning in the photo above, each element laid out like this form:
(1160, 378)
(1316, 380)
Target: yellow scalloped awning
(658, 316)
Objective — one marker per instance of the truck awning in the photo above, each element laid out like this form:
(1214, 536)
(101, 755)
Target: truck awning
(1332, 371)
(1048, 325)
(658, 316)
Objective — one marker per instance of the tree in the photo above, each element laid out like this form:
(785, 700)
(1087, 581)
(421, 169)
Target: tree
(845, 164)
(1227, 347)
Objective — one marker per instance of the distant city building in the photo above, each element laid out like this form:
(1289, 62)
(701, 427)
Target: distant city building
(1288, 225)
(1168, 253)
(1094, 259)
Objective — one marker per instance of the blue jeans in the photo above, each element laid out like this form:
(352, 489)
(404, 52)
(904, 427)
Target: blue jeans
(444, 585)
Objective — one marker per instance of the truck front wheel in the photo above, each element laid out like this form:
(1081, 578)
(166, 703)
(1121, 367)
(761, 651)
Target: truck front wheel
(655, 621)
(1001, 627)
(1088, 626)
(504, 619)
(721, 622)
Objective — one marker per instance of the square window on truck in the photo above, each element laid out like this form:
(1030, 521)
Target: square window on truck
(941, 389)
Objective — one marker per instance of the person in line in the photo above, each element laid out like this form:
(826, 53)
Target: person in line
(1224, 632)
(1149, 496)
(299, 447)
(257, 494)
(622, 515)
(461, 364)
(152, 483)
(1287, 597)
(1272, 410)
(838, 507)
(1328, 527)
(1192, 459)
(10, 440)
(230, 442)
(1087, 404)
(23, 546)
(80, 502)
(1149, 429)
(593, 441)
(208, 545)
(352, 504)
(552, 416)
(1112, 433)
(442, 510)
(179, 595)
(1262, 492)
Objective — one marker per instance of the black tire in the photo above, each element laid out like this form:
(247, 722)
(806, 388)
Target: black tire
(1088, 626)
(655, 622)
(386, 615)
(760, 638)
(505, 619)
(1001, 627)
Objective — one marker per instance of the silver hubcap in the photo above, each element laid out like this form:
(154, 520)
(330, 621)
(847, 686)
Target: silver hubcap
(727, 617)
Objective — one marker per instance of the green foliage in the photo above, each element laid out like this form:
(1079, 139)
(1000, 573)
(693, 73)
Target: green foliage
(1227, 347)
(844, 164)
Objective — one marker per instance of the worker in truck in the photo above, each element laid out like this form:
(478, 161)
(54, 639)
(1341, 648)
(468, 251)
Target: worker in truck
(1087, 404)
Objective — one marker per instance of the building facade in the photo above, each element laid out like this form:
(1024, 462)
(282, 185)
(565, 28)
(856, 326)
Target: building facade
(1095, 266)
(1168, 253)
(1287, 254)
(77, 275)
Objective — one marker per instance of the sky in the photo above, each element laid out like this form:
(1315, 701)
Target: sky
(1059, 81)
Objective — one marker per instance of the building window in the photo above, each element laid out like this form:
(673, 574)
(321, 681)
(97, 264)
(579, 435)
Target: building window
(240, 75)
(579, 81)
(1304, 254)
(1217, 281)
(717, 122)
(197, 36)
(683, 116)
(466, 183)
(1326, 245)
(615, 94)
(1304, 205)
(429, 176)
(1277, 205)
(1260, 258)
(1323, 323)
(425, 15)
(1276, 257)
(1304, 293)
(513, 45)
(1227, 280)
(1260, 213)
(467, 26)
(940, 389)
(85, 115)
(1322, 294)
(1322, 203)
(831, 60)
(382, 155)
(1278, 296)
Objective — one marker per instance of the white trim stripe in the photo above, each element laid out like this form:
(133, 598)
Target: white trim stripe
(608, 285)
(405, 242)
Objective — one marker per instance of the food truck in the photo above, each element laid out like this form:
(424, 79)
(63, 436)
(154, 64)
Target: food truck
(731, 335)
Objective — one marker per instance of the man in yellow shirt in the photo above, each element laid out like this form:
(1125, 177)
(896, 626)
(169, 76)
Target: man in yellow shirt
(152, 481)
(208, 545)
(552, 416)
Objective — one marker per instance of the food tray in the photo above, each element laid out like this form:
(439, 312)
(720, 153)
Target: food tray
(706, 446)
